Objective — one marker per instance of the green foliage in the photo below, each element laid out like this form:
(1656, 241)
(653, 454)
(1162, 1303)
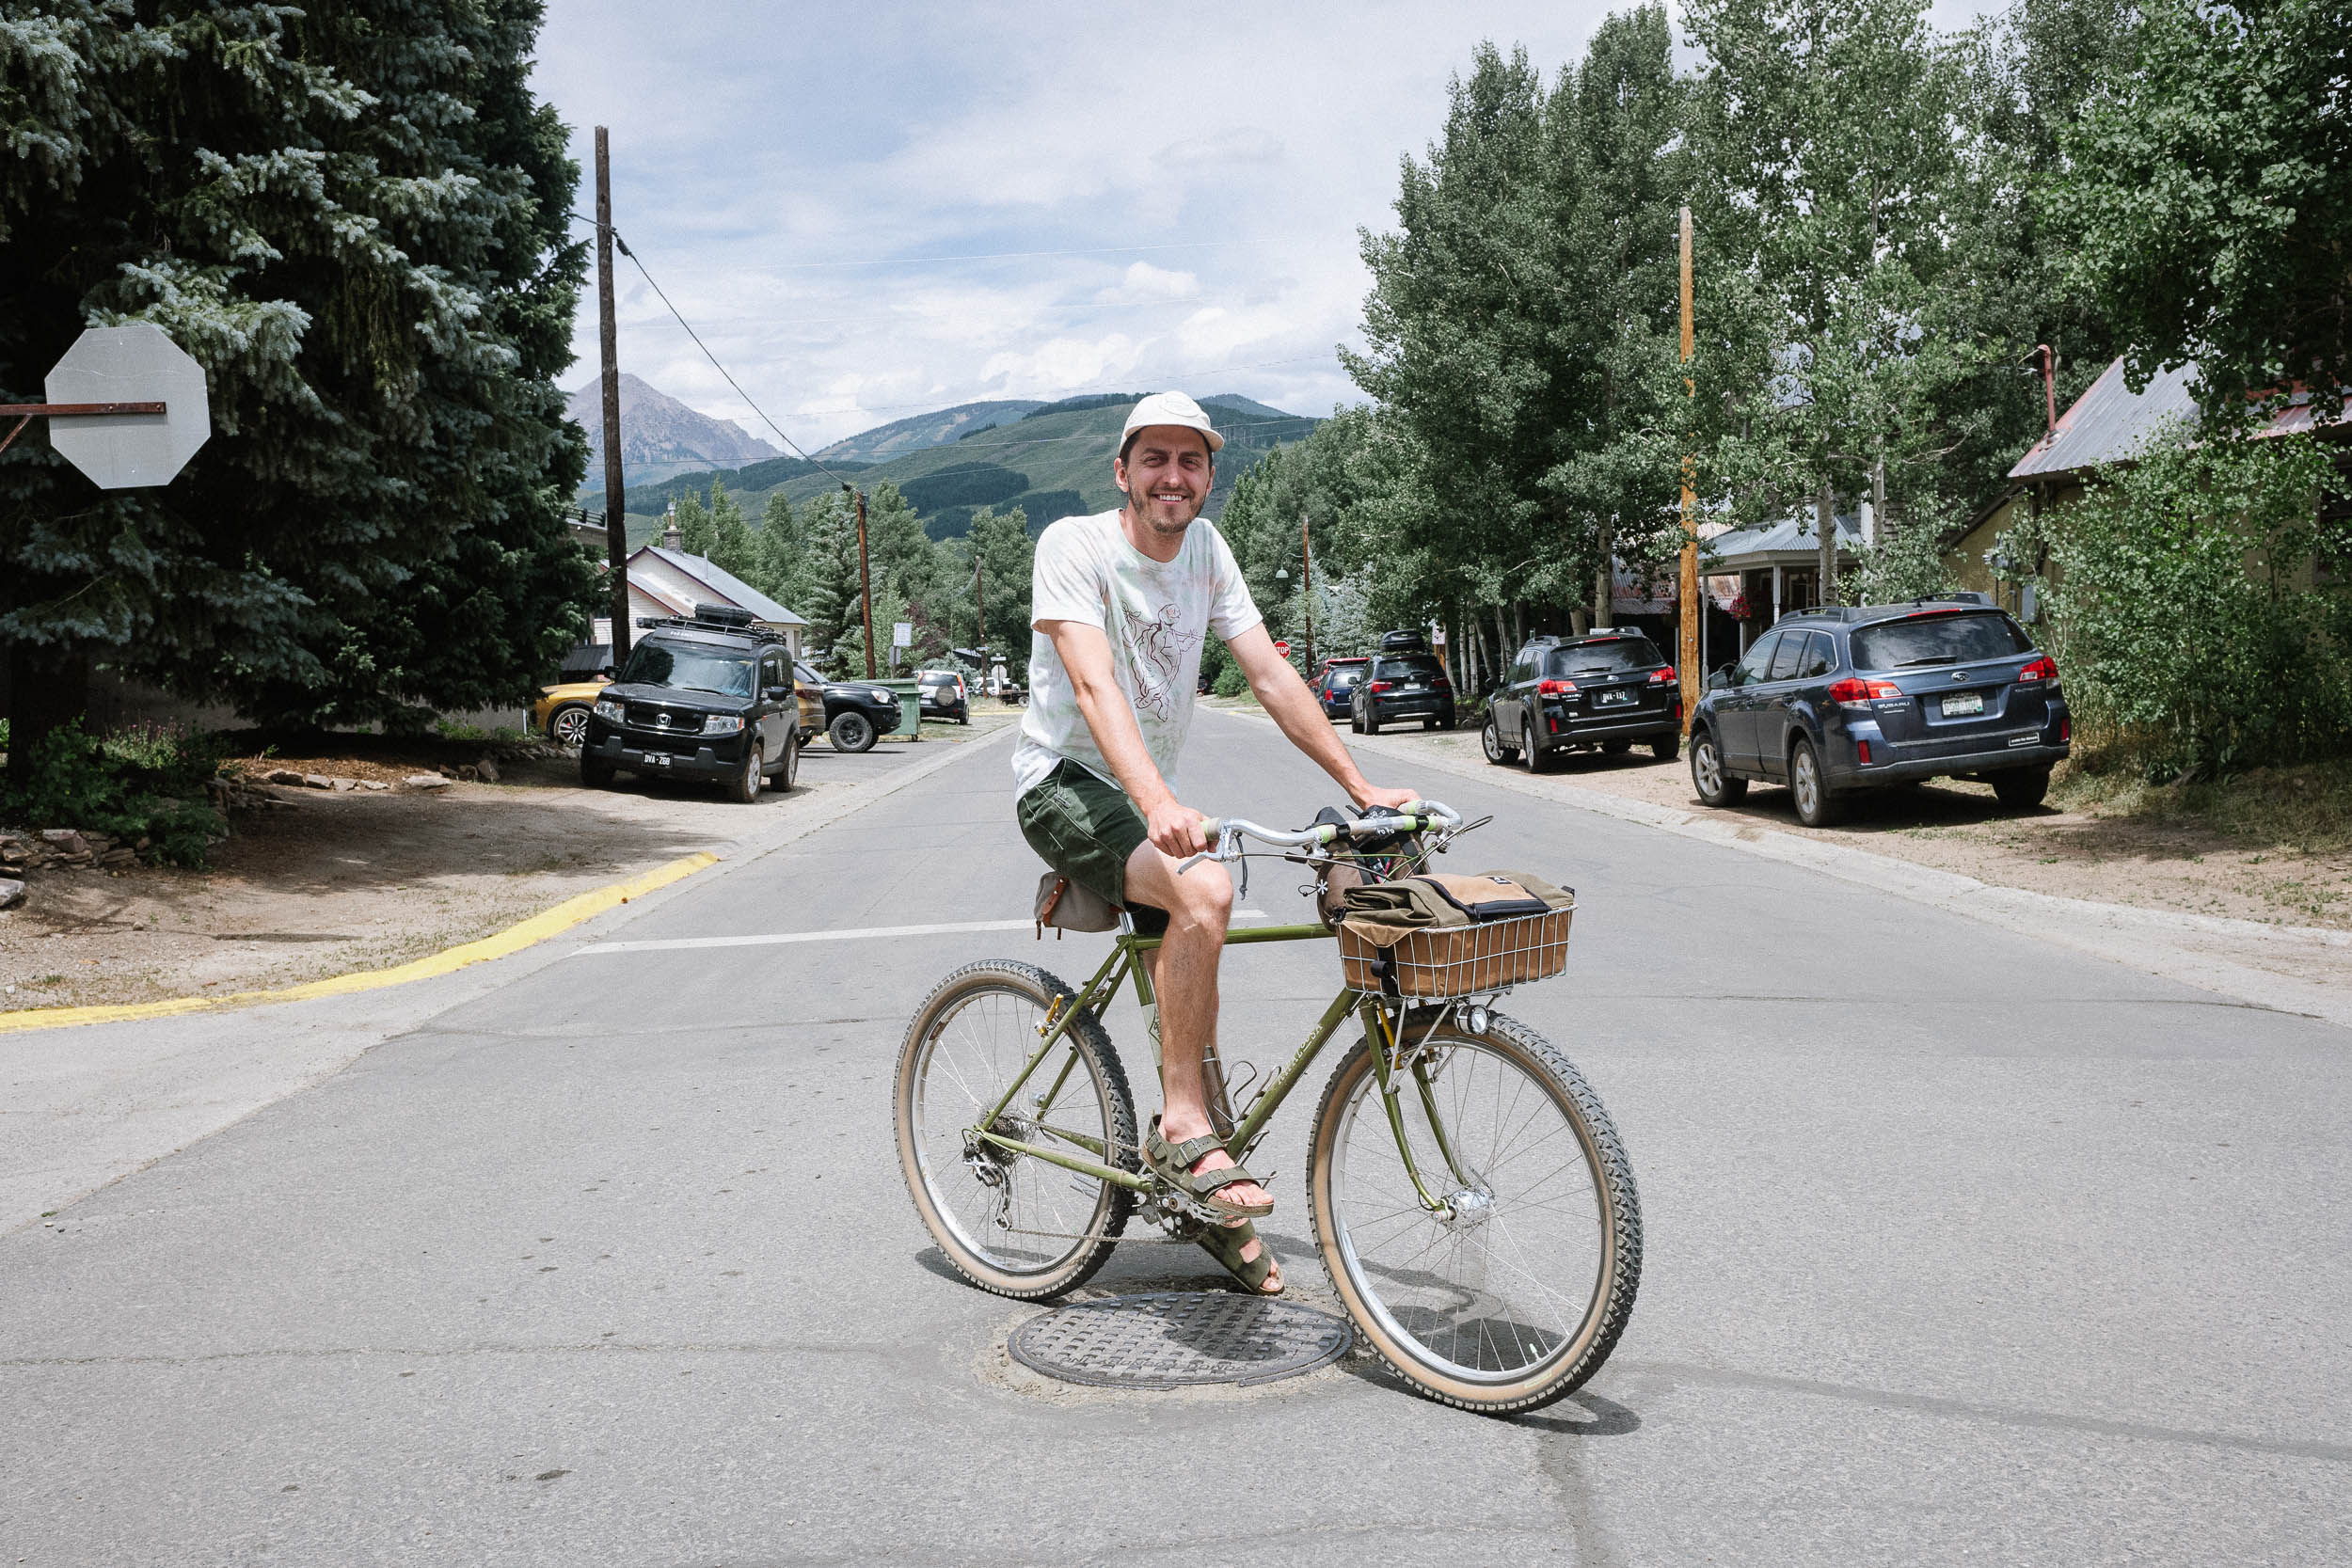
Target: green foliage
(1004, 552)
(777, 552)
(145, 781)
(731, 546)
(964, 485)
(2210, 189)
(354, 217)
(1229, 681)
(697, 533)
(2190, 622)
(1905, 565)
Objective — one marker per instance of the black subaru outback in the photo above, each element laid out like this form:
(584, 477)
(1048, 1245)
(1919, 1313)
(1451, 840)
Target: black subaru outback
(710, 698)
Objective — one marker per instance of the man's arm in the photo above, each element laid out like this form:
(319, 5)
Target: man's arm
(1086, 655)
(1294, 708)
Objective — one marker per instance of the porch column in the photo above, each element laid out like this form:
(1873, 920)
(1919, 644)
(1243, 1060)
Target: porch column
(1775, 593)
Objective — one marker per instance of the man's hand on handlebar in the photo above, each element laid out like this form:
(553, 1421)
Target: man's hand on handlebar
(1395, 800)
(1174, 830)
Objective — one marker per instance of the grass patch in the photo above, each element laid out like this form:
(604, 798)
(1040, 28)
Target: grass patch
(2306, 807)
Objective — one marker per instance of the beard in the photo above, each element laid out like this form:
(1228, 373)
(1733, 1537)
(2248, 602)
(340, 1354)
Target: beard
(1166, 518)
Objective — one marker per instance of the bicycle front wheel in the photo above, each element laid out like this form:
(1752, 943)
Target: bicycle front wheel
(1008, 1221)
(1513, 1290)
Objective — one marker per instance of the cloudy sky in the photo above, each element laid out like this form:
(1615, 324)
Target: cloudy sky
(873, 210)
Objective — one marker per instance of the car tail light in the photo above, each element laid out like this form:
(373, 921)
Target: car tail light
(2066, 729)
(1855, 691)
(1380, 686)
(1554, 689)
(2043, 669)
(1661, 677)
(1862, 749)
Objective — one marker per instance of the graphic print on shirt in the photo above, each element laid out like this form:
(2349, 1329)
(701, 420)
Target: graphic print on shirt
(1156, 656)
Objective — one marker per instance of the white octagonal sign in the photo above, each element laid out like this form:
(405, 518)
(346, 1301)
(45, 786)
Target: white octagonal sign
(133, 363)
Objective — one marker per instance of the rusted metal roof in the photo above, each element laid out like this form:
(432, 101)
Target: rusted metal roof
(2111, 424)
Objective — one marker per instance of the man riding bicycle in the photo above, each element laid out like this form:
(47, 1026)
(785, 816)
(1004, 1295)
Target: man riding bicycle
(1120, 603)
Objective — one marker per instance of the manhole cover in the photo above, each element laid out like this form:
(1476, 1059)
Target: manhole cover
(1175, 1339)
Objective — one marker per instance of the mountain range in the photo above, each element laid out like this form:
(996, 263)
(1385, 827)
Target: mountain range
(1052, 460)
(886, 441)
(660, 436)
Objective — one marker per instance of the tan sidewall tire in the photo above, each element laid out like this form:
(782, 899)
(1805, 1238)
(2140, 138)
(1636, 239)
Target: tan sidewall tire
(1041, 987)
(1621, 1264)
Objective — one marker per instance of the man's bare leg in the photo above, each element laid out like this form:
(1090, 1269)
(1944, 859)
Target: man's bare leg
(1198, 904)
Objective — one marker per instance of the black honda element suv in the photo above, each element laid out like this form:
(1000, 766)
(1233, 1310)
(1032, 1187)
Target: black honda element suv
(710, 698)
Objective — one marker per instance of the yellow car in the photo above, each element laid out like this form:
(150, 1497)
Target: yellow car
(561, 713)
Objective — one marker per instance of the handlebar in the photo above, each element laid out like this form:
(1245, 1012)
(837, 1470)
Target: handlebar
(1415, 817)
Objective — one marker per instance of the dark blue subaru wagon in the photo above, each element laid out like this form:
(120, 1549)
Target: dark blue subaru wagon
(1832, 701)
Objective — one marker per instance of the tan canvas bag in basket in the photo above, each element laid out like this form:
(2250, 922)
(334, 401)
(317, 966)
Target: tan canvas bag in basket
(1449, 935)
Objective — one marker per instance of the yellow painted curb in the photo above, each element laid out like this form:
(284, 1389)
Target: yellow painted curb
(513, 940)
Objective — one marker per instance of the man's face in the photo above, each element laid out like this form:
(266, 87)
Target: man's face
(1165, 475)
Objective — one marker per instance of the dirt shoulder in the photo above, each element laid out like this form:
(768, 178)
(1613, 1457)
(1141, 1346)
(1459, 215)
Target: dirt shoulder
(2070, 851)
(324, 881)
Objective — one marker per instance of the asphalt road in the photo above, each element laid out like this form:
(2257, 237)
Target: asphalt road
(1960, 1248)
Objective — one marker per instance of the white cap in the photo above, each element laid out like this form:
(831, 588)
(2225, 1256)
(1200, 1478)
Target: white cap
(1172, 408)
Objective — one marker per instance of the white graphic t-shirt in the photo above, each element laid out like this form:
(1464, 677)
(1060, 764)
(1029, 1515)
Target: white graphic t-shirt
(1155, 615)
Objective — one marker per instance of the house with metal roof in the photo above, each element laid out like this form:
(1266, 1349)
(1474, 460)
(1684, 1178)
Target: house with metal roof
(664, 581)
(2108, 425)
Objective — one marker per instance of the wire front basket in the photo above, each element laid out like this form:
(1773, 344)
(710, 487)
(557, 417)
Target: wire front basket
(1452, 960)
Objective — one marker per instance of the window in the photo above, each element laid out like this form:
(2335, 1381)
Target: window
(1820, 655)
(1757, 659)
(689, 668)
(1938, 637)
(1409, 667)
(1787, 656)
(1607, 657)
(1344, 676)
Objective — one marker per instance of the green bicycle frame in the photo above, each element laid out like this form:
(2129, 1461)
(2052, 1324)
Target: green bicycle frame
(1125, 960)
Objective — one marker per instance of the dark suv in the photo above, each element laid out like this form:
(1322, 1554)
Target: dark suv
(1401, 686)
(854, 712)
(1335, 688)
(1831, 701)
(1608, 689)
(710, 698)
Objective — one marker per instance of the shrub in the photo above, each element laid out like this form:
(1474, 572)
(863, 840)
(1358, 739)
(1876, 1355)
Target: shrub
(145, 781)
(2194, 611)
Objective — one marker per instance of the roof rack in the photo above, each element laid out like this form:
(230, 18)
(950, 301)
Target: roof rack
(728, 619)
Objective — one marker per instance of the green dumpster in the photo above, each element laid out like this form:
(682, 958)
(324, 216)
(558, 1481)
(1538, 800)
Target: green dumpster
(909, 695)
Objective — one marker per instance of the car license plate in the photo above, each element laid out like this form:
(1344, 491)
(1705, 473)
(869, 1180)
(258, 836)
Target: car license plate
(1961, 703)
(1613, 699)
(656, 759)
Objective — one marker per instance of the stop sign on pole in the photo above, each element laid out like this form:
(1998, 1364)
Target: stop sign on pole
(1282, 648)
(134, 363)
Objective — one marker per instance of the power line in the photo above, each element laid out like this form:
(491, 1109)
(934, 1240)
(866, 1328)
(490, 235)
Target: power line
(992, 255)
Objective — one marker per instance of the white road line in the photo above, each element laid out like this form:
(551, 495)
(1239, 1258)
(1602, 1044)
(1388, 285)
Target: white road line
(780, 939)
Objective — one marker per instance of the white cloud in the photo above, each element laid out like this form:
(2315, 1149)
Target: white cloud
(776, 166)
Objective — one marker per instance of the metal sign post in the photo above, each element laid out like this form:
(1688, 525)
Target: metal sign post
(126, 405)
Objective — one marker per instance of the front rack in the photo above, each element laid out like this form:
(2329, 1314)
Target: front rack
(1438, 963)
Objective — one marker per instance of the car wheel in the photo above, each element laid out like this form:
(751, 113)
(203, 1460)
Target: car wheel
(790, 774)
(1615, 747)
(1816, 807)
(1355, 722)
(1371, 719)
(595, 774)
(2022, 788)
(569, 725)
(1531, 755)
(851, 731)
(1445, 719)
(1490, 741)
(1667, 748)
(744, 787)
(1715, 787)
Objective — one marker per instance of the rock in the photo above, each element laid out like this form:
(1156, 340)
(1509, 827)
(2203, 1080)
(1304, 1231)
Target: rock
(344, 785)
(281, 776)
(11, 895)
(114, 858)
(425, 781)
(373, 783)
(64, 841)
(488, 771)
(317, 781)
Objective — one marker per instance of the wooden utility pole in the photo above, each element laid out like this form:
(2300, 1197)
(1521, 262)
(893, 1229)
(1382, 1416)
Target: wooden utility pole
(864, 581)
(607, 344)
(1307, 590)
(1687, 631)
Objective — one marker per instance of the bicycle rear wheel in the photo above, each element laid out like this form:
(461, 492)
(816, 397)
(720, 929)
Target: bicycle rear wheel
(1517, 1295)
(1012, 1223)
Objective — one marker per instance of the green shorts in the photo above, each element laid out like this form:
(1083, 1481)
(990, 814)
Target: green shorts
(1086, 829)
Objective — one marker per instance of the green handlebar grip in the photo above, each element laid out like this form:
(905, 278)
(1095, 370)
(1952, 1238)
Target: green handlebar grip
(1211, 826)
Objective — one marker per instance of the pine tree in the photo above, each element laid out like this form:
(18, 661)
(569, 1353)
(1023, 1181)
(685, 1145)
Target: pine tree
(825, 590)
(731, 546)
(354, 217)
(1005, 555)
(777, 555)
(697, 535)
